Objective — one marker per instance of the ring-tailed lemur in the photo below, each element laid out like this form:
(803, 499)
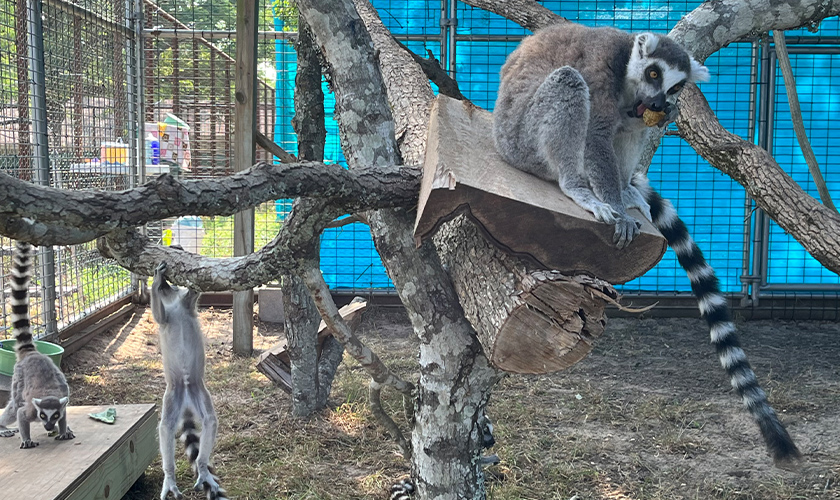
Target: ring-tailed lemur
(570, 109)
(39, 389)
(182, 347)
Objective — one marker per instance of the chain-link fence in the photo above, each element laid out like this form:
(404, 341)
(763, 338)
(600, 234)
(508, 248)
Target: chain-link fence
(71, 115)
(68, 108)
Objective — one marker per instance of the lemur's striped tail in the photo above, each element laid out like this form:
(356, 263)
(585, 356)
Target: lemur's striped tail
(715, 311)
(22, 261)
(190, 437)
(404, 490)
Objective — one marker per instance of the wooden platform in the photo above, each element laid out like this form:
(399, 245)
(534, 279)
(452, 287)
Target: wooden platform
(101, 463)
(522, 215)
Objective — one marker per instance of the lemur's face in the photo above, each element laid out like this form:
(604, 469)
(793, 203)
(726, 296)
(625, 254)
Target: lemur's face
(50, 410)
(656, 73)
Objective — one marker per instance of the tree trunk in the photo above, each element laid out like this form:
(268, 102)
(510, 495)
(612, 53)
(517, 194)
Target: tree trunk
(312, 375)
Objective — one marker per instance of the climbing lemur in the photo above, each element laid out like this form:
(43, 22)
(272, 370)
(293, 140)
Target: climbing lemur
(182, 347)
(573, 108)
(39, 389)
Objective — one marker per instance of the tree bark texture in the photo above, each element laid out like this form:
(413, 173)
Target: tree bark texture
(526, 13)
(311, 376)
(48, 216)
(455, 376)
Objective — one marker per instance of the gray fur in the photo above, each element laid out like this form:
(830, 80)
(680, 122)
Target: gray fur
(182, 347)
(569, 111)
(39, 389)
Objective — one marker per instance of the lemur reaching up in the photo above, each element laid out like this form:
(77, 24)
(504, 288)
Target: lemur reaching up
(186, 397)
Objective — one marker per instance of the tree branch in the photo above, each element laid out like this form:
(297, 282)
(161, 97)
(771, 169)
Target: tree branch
(380, 373)
(286, 251)
(49, 216)
(814, 225)
(431, 67)
(526, 13)
(796, 118)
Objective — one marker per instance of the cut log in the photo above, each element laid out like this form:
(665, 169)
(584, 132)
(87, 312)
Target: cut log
(528, 320)
(525, 216)
(275, 362)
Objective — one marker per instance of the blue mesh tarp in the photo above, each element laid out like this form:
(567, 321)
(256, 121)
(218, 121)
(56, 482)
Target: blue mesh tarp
(712, 205)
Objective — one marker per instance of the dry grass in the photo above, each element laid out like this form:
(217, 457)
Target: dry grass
(647, 416)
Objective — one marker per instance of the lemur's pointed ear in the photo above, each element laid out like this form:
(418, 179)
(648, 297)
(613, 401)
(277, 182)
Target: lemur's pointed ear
(699, 73)
(646, 43)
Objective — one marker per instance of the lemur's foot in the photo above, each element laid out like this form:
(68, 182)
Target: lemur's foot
(7, 433)
(169, 486)
(161, 268)
(207, 482)
(626, 228)
(28, 443)
(67, 435)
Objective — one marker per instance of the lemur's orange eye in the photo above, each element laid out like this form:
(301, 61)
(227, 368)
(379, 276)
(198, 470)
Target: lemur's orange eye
(653, 74)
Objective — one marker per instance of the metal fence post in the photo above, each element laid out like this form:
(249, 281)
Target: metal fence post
(41, 154)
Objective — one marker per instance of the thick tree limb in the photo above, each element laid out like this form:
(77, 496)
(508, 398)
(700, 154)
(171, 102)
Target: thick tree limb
(715, 24)
(49, 216)
(455, 376)
(814, 225)
(526, 13)
(286, 251)
(796, 118)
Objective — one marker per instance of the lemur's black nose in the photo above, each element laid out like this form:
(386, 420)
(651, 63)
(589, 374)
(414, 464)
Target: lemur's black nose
(657, 103)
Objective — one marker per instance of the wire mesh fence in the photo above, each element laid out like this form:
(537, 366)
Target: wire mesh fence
(116, 103)
(67, 120)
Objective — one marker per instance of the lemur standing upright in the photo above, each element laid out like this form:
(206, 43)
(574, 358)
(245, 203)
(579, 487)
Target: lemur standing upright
(573, 108)
(182, 347)
(39, 389)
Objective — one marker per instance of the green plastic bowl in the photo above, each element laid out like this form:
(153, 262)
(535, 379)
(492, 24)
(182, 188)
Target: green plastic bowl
(7, 354)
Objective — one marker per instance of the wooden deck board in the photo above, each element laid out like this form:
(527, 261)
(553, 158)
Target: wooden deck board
(102, 462)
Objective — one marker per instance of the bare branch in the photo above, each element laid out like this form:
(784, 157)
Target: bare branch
(48, 216)
(288, 250)
(796, 118)
(274, 148)
(431, 67)
(526, 13)
(717, 23)
(375, 393)
(380, 373)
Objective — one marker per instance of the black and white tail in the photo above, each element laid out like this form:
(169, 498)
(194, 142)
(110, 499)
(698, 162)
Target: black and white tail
(190, 437)
(402, 490)
(22, 261)
(715, 311)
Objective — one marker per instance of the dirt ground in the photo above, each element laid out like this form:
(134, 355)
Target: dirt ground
(648, 415)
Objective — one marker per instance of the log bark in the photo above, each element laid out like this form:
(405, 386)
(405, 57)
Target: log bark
(310, 373)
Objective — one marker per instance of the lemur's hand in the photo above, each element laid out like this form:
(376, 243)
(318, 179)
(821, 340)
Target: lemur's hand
(161, 268)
